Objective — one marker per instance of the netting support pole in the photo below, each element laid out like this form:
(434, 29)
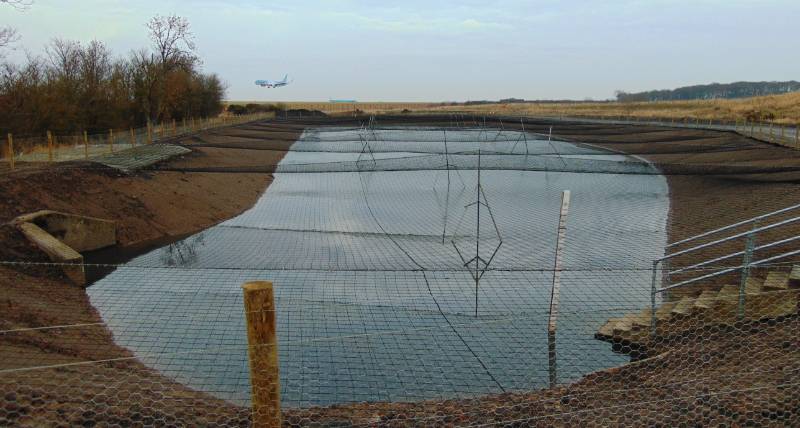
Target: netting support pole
(748, 257)
(554, 293)
(259, 309)
(478, 230)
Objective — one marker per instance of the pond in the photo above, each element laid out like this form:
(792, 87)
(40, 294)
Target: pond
(364, 233)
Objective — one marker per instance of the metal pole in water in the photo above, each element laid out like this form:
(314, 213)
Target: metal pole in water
(447, 198)
(478, 232)
(554, 293)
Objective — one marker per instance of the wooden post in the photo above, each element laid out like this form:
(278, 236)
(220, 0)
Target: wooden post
(49, 146)
(554, 296)
(174, 128)
(11, 150)
(111, 140)
(797, 135)
(183, 128)
(133, 138)
(85, 145)
(149, 133)
(259, 308)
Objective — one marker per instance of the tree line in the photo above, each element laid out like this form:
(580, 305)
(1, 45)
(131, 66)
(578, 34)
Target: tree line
(75, 86)
(712, 91)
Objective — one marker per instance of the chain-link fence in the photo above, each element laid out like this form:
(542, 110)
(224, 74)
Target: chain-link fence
(413, 275)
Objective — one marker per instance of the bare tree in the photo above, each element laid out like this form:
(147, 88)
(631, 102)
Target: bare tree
(17, 4)
(65, 57)
(173, 40)
(9, 35)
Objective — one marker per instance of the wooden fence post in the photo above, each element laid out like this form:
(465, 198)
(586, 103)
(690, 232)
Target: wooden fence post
(149, 133)
(133, 138)
(259, 308)
(111, 140)
(85, 145)
(174, 128)
(11, 150)
(797, 135)
(49, 146)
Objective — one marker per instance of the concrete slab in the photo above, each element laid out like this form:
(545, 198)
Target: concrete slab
(81, 233)
(57, 251)
(62, 236)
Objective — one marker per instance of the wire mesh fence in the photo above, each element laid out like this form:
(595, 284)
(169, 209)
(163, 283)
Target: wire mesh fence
(55, 147)
(379, 319)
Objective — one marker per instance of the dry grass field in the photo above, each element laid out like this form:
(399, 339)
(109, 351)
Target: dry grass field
(343, 107)
(780, 109)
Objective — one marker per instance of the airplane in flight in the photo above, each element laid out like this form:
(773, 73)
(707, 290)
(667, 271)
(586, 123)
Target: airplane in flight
(273, 83)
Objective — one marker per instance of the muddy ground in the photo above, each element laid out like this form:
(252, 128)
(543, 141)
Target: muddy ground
(730, 377)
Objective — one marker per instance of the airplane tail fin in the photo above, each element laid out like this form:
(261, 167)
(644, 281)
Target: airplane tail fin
(285, 76)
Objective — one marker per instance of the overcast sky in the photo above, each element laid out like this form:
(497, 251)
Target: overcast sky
(427, 50)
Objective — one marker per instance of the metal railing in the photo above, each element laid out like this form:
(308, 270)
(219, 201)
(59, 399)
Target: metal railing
(747, 254)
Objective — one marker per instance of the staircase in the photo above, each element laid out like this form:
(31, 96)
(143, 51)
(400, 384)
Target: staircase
(711, 293)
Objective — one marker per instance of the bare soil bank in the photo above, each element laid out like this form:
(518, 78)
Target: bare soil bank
(147, 205)
(691, 384)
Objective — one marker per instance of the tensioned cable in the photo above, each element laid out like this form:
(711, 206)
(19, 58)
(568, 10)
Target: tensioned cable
(427, 283)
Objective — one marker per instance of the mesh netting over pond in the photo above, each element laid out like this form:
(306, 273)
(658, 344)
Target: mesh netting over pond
(369, 282)
(373, 236)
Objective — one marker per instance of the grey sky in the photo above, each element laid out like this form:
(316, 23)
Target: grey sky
(435, 51)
